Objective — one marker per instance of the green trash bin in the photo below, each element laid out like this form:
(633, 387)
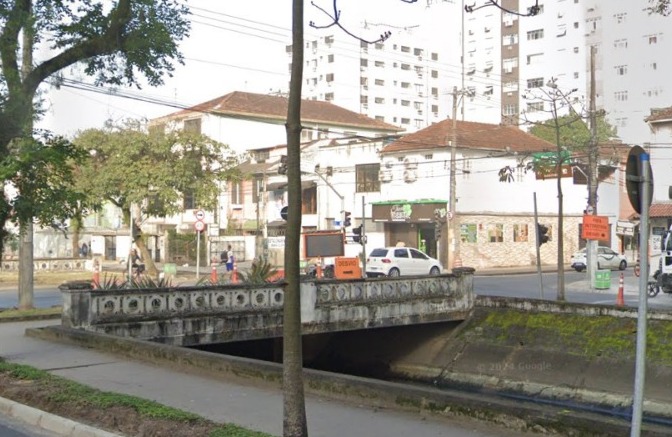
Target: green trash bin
(603, 279)
(169, 271)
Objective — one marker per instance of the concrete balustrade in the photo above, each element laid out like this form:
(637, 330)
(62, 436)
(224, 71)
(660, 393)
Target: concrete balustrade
(189, 316)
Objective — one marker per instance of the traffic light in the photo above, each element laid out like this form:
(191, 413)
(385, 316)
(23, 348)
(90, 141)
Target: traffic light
(282, 169)
(437, 230)
(357, 237)
(542, 230)
(346, 219)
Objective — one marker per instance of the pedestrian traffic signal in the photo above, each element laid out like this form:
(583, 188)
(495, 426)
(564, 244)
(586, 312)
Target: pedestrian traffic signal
(346, 219)
(542, 230)
(282, 169)
(357, 237)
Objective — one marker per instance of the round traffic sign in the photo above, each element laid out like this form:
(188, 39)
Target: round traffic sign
(200, 215)
(199, 226)
(283, 212)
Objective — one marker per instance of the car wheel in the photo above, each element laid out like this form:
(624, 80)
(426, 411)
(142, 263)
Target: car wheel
(434, 271)
(578, 269)
(623, 265)
(394, 272)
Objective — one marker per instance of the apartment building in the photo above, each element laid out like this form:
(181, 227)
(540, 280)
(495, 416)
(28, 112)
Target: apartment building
(404, 80)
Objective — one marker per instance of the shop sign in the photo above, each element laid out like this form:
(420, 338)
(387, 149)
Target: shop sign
(401, 213)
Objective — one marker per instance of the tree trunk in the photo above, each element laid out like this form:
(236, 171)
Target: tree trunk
(26, 257)
(75, 228)
(294, 414)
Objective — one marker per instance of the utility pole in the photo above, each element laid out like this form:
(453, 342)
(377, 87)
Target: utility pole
(453, 231)
(592, 170)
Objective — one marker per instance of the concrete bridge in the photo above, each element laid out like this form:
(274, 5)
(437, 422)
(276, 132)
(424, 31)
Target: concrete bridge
(190, 316)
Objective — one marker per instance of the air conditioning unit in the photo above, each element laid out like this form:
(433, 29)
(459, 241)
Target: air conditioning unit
(389, 164)
(410, 176)
(411, 163)
(385, 176)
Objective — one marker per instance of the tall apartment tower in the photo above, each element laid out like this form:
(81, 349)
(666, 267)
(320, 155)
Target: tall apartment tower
(404, 81)
(508, 56)
(633, 63)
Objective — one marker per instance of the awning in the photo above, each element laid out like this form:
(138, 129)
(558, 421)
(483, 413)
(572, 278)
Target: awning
(625, 228)
(276, 186)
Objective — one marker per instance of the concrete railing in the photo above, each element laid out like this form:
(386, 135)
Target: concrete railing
(48, 264)
(198, 315)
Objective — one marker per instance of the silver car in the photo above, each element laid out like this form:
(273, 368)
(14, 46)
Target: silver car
(400, 261)
(606, 259)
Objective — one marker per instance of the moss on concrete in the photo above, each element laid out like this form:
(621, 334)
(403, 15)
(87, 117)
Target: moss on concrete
(588, 336)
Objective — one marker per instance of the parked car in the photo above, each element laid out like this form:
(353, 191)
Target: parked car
(606, 259)
(400, 261)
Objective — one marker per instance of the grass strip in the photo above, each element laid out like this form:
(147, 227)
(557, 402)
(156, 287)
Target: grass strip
(76, 394)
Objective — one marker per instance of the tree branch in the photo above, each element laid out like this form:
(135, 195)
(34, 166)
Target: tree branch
(9, 40)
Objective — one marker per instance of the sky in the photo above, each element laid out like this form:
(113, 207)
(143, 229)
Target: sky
(233, 46)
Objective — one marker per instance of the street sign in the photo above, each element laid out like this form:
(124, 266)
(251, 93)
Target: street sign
(283, 213)
(200, 215)
(633, 178)
(199, 226)
(595, 227)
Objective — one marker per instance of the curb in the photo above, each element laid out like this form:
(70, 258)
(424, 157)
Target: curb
(57, 425)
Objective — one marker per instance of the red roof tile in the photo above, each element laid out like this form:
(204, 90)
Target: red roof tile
(274, 108)
(658, 115)
(470, 135)
(660, 210)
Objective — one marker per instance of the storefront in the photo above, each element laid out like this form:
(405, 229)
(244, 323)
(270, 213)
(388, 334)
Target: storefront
(411, 222)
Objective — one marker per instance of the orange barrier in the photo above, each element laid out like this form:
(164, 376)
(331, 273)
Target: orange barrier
(347, 268)
(278, 276)
(213, 274)
(620, 301)
(234, 274)
(96, 278)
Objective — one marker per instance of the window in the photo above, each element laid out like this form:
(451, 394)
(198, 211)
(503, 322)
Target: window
(466, 168)
(489, 90)
(309, 200)
(535, 106)
(417, 52)
(435, 92)
(435, 108)
(510, 109)
(621, 122)
(188, 200)
(653, 39)
(405, 85)
(367, 178)
(562, 31)
(576, 75)
(363, 62)
(193, 126)
(330, 58)
(329, 97)
(236, 194)
(435, 74)
(510, 87)
(379, 82)
(520, 233)
(621, 96)
(534, 58)
(435, 56)
(537, 82)
(535, 34)
(379, 64)
(405, 103)
(621, 44)
(495, 233)
(380, 100)
(329, 39)
(260, 156)
(576, 25)
(508, 64)
(405, 121)
(405, 49)
(621, 70)
(429, 157)
(509, 40)
(417, 105)
(620, 18)
(364, 81)
(364, 99)
(330, 77)
(379, 46)
(468, 233)
(405, 66)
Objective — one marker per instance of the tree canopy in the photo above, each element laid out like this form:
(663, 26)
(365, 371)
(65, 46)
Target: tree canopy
(127, 42)
(574, 132)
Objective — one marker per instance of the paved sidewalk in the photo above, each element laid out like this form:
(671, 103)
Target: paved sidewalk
(256, 407)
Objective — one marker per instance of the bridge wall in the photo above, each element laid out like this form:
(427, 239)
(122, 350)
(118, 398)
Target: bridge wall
(188, 316)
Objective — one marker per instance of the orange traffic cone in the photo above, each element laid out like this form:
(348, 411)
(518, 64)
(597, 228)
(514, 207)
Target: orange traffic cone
(619, 299)
(234, 274)
(213, 274)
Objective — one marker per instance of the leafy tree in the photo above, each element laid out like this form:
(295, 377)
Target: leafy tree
(151, 173)
(662, 7)
(115, 42)
(574, 132)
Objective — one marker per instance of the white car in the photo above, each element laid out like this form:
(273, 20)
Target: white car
(400, 261)
(606, 259)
